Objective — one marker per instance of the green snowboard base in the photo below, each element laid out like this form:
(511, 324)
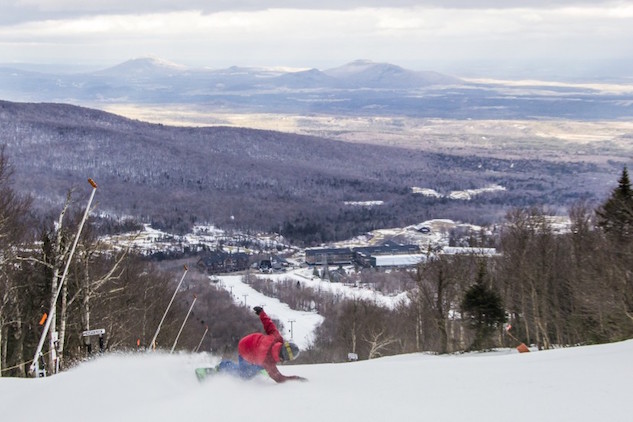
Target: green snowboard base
(203, 373)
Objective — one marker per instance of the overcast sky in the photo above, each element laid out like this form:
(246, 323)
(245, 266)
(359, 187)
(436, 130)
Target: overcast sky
(447, 35)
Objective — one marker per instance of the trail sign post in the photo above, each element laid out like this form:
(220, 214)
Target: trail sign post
(91, 333)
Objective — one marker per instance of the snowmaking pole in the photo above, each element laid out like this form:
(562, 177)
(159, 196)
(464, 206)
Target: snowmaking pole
(184, 322)
(201, 340)
(152, 344)
(34, 368)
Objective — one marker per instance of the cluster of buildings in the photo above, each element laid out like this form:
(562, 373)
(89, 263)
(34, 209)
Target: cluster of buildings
(216, 262)
(387, 255)
(219, 261)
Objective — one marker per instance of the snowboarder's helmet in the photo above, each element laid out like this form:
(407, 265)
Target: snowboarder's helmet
(289, 351)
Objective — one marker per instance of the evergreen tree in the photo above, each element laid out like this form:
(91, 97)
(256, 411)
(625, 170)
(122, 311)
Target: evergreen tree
(483, 309)
(615, 216)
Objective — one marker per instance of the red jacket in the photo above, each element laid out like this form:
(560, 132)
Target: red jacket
(263, 349)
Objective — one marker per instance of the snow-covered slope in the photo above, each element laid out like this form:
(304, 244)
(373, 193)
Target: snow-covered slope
(303, 323)
(580, 384)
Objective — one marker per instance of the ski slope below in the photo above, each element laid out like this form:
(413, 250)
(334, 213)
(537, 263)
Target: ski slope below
(590, 383)
(303, 325)
(300, 330)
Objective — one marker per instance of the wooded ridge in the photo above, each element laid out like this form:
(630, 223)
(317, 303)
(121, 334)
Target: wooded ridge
(265, 180)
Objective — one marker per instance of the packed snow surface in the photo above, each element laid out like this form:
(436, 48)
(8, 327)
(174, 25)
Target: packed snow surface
(589, 383)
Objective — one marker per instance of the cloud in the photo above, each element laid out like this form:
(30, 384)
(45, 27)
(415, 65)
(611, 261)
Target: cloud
(15, 11)
(245, 33)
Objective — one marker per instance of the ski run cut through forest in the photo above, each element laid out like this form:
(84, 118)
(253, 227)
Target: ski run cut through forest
(587, 383)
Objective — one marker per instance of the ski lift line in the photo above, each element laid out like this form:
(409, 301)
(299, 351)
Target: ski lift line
(51, 314)
(152, 344)
(183, 323)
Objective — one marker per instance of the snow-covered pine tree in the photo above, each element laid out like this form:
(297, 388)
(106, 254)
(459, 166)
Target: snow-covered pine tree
(483, 309)
(615, 215)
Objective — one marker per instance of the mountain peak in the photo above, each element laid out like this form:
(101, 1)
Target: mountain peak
(366, 73)
(361, 62)
(146, 66)
(357, 67)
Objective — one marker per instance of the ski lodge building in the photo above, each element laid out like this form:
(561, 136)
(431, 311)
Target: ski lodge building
(215, 262)
(388, 255)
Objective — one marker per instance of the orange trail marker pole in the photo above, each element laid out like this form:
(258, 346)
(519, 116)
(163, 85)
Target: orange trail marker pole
(522, 348)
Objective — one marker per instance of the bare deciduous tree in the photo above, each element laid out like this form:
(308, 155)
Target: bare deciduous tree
(13, 207)
(378, 341)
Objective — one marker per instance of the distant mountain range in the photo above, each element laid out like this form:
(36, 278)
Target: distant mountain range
(361, 87)
(354, 75)
(151, 74)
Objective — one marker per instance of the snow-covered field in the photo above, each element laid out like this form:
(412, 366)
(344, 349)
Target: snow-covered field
(591, 383)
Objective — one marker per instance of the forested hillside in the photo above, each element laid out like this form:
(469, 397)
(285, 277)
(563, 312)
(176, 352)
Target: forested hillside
(252, 179)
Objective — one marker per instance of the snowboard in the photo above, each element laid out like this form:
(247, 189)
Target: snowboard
(203, 373)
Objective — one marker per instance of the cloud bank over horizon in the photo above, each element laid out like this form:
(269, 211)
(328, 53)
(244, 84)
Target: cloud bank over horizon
(565, 36)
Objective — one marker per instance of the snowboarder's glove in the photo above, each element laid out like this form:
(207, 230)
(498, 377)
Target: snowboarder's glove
(258, 309)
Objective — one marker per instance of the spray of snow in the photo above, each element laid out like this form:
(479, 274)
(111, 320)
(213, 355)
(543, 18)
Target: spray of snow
(590, 383)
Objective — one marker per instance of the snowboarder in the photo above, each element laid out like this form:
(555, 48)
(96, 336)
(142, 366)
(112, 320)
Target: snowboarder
(259, 352)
